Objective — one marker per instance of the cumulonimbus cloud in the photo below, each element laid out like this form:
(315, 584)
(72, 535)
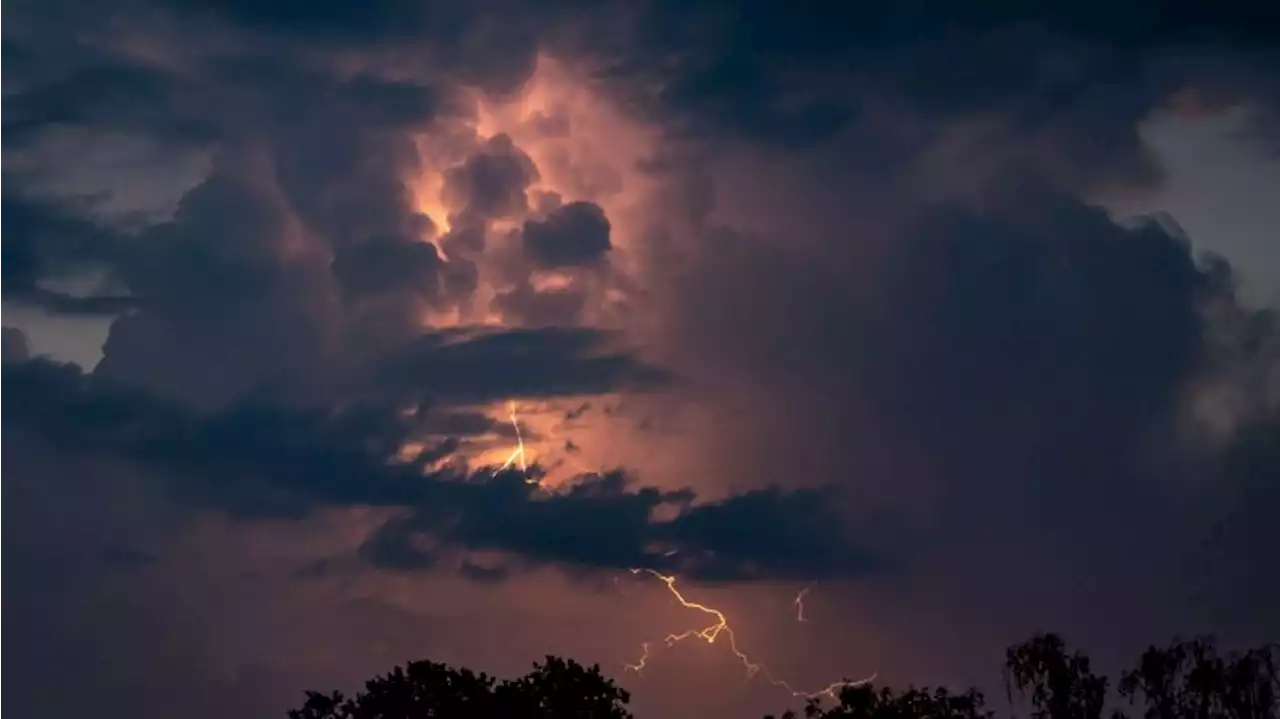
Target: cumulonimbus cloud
(856, 239)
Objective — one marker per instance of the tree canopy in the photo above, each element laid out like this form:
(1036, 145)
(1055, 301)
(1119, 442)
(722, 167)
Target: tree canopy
(429, 690)
(1187, 679)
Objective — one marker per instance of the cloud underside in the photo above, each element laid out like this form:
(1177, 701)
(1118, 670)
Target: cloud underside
(265, 462)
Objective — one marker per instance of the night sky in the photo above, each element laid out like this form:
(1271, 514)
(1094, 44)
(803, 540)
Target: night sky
(340, 334)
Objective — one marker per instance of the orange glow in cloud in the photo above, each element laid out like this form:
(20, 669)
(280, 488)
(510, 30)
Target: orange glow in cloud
(584, 146)
(426, 190)
(549, 281)
(584, 149)
(538, 437)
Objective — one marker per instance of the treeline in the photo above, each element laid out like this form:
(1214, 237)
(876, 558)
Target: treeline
(1185, 680)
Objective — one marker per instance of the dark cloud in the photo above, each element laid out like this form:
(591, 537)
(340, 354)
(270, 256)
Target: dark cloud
(255, 461)
(378, 267)
(491, 44)
(490, 184)
(297, 91)
(571, 242)
(602, 521)
(238, 278)
(1026, 365)
(15, 345)
(115, 93)
(791, 531)
(1240, 580)
(354, 190)
(380, 21)
(1035, 301)
(479, 365)
(212, 99)
(126, 557)
(307, 160)
(1034, 318)
(335, 163)
(574, 234)
(226, 305)
(54, 241)
(555, 307)
(1079, 77)
(1067, 83)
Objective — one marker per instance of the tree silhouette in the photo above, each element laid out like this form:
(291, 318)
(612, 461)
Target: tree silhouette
(555, 689)
(1186, 680)
(1061, 684)
(866, 702)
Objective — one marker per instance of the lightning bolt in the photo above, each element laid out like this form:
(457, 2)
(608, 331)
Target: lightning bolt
(518, 454)
(714, 631)
(708, 634)
(799, 604)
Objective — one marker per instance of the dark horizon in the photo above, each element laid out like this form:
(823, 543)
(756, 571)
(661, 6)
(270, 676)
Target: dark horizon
(1044, 677)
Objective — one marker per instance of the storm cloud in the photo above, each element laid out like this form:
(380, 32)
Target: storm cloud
(854, 295)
